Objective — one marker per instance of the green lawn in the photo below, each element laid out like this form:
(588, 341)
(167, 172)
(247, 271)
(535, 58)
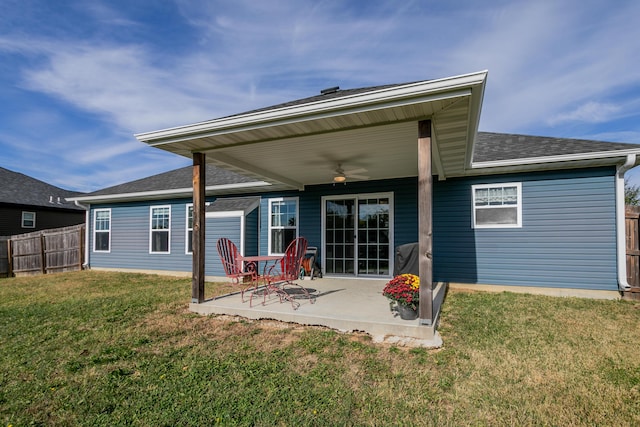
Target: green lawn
(96, 348)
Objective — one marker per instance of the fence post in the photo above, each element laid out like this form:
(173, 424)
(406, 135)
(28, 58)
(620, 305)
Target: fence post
(9, 259)
(43, 258)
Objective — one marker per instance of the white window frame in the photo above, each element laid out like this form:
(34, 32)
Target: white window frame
(518, 205)
(151, 230)
(188, 229)
(95, 230)
(23, 219)
(356, 197)
(270, 227)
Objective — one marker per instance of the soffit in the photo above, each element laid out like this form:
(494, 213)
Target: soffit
(297, 147)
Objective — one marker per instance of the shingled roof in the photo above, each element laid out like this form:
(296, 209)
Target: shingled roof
(20, 189)
(177, 179)
(325, 94)
(490, 146)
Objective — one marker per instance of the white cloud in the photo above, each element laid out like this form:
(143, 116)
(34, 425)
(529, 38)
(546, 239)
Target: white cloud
(591, 112)
(550, 64)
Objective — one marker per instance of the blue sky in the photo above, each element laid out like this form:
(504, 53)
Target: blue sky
(79, 78)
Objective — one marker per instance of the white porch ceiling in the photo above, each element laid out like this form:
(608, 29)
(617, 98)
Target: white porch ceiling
(376, 131)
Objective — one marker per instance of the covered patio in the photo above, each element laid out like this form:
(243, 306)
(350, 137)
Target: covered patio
(421, 130)
(346, 305)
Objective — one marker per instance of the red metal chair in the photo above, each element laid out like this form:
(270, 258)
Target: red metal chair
(287, 271)
(234, 268)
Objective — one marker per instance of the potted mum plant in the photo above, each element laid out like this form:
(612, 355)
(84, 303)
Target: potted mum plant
(404, 290)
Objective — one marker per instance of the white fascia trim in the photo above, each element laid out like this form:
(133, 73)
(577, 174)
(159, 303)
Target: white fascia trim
(621, 237)
(475, 108)
(225, 214)
(177, 192)
(398, 95)
(555, 159)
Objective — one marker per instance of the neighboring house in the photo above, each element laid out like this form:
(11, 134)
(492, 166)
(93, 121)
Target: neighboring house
(347, 170)
(27, 204)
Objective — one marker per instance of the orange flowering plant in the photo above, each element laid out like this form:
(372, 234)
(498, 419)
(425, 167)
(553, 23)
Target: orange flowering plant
(404, 289)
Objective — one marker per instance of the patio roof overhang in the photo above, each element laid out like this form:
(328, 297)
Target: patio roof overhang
(302, 144)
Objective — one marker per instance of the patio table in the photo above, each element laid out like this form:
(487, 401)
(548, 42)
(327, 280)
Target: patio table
(256, 260)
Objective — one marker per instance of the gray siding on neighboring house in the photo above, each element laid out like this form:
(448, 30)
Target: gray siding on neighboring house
(567, 239)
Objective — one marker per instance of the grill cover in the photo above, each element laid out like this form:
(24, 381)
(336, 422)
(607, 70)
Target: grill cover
(406, 261)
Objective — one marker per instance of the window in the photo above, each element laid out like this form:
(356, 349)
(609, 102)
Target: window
(283, 224)
(102, 230)
(189, 228)
(28, 220)
(497, 205)
(160, 229)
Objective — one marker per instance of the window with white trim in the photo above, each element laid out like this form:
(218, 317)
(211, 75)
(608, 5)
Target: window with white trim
(283, 224)
(497, 205)
(160, 230)
(28, 220)
(189, 227)
(102, 230)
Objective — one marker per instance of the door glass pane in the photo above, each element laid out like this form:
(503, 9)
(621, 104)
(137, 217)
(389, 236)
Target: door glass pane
(373, 247)
(373, 221)
(348, 267)
(339, 236)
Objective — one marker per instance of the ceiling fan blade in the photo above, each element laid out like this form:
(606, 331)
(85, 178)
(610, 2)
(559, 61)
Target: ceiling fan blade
(354, 172)
(357, 176)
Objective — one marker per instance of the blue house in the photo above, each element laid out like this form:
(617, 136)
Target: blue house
(359, 172)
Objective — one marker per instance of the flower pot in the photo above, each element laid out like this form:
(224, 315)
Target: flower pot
(406, 312)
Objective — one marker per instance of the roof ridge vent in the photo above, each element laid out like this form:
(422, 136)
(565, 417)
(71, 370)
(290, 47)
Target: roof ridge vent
(329, 90)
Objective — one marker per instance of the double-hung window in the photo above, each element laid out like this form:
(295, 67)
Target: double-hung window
(160, 232)
(497, 205)
(283, 224)
(28, 220)
(102, 230)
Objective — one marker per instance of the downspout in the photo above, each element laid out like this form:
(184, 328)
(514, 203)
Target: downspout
(620, 223)
(87, 214)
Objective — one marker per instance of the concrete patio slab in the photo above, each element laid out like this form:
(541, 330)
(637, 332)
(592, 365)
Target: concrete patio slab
(343, 304)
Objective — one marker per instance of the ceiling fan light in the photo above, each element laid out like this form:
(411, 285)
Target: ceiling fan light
(339, 178)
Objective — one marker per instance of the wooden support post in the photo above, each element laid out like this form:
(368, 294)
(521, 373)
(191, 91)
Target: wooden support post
(425, 222)
(198, 242)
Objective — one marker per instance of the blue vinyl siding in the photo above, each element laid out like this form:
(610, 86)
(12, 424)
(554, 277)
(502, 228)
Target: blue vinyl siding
(216, 228)
(130, 238)
(567, 238)
(310, 208)
(252, 233)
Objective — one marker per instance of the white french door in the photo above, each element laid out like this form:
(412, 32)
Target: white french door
(357, 234)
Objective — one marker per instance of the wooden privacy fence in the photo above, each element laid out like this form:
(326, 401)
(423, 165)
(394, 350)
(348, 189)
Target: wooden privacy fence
(45, 252)
(4, 257)
(632, 227)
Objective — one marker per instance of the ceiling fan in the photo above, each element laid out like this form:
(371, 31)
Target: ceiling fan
(340, 175)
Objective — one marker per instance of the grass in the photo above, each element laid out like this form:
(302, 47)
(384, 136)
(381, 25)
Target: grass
(96, 348)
